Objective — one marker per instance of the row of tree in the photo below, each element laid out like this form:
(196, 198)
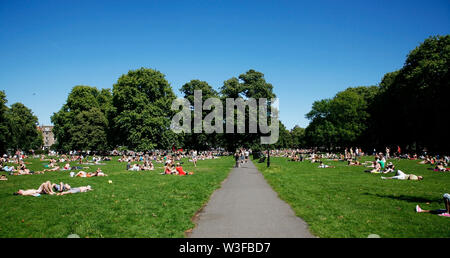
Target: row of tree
(18, 127)
(408, 108)
(136, 114)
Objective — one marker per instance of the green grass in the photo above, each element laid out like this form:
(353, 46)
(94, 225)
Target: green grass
(345, 202)
(140, 204)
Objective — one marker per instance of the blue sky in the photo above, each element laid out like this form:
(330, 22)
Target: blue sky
(309, 50)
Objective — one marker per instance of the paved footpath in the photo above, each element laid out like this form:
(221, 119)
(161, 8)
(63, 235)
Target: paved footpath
(247, 207)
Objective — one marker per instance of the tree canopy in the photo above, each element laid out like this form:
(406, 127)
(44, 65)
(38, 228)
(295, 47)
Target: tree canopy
(81, 123)
(405, 109)
(141, 116)
(18, 127)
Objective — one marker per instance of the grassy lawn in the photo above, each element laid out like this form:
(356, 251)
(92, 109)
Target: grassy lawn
(346, 202)
(136, 204)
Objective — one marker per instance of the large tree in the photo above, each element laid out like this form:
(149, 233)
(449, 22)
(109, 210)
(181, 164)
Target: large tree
(342, 120)
(81, 123)
(200, 141)
(414, 99)
(23, 127)
(285, 138)
(298, 137)
(142, 115)
(5, 135)
(251, 84)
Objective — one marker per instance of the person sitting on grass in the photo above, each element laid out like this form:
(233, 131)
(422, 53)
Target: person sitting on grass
(169, 169)
(44, 188)
(382, 162)
(443, 213)
(3, 178)
(81, 189)
(400, 175)
(376, 170)
(149, 165)
(22, 166)
(321, 165)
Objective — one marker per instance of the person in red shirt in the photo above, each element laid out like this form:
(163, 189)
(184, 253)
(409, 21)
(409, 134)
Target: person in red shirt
(181, 172)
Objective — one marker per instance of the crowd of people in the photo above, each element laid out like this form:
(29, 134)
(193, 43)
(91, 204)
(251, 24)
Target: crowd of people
(242, 156)
(141, 162)
(379, 165)
(172, 160)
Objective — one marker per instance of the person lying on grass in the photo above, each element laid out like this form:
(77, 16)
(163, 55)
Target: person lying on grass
(27, 172)
(440, 167)
(181, 172)
(68, 167)
(61, 187)
(443, 213)
(23, 170)
(44, 188)
(321, 165)
(99, 172)
(400, 175)
(9, 168)
(3, 178)
(52, 169)
(135, 167)
(354, 163)
(81, 189)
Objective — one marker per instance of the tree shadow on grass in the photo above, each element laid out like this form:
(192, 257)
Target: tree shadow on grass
(414, 199)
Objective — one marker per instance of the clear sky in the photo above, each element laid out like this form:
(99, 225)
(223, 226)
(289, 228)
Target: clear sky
(309, 50)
